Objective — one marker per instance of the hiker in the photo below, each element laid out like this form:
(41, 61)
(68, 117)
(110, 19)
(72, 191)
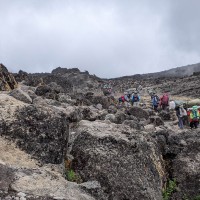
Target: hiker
(121, 99)
(194, 117)
(180, 113)
(155, 101)
(135, 99)
(126, 99)
(164, 101)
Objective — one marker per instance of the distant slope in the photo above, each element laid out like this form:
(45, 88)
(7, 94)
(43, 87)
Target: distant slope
(174, 72)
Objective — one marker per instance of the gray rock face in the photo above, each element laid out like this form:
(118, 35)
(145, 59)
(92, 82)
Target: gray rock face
(185, 163)
(6, 177)
(181, 152)
(21, 95)
(112, 109)
(156, 120)
(38, 184)
(165, 115)
(126, 164)
(138, 112)
(40, 131)
(7, 80)
(134, 124)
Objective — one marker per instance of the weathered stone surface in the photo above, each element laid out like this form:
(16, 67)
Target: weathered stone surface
(21, 76)
(21, 95)
(185, 167)
(120, 117)
(89, 114)
(39, 184)
(104, 101)
(99, 106)
(156, 120)
(7, 80)
(112, 109)
(47, 184)
(134, 124)
(126, 164)
(40, 131)
(49, 91)
(138, 112)
(110, 117)
(165, 115)
(6, 177)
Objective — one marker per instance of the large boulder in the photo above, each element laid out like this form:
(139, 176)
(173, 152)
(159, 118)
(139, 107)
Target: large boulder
(125, 163)
(138, 112)
(50, 91)
(38, 184)
(40, 131)
(181, 153)
(21, 95)
(104, 101)
(7, 80)
(184, 149)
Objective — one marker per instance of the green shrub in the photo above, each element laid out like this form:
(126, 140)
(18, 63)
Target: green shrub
(196, 198)
(70, 175)
(170, 188)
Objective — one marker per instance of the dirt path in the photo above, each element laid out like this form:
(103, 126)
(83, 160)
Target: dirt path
(10, 155)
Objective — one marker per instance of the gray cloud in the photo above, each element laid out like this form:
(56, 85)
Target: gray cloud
(107, 38)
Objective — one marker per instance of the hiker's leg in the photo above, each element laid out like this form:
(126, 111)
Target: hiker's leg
(181, 122)
(195, 124)
(191, 124)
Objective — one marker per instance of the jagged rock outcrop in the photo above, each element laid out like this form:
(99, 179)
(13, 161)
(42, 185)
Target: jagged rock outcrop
(127, 164)
(181, 154)
(50, 91)
(7, 80)
(21, 76)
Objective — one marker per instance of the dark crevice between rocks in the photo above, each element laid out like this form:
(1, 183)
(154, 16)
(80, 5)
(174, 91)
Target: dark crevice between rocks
(168, 158)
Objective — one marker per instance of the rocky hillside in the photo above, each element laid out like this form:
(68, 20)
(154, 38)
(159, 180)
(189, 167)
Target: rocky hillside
(174, 72)
(58, 142)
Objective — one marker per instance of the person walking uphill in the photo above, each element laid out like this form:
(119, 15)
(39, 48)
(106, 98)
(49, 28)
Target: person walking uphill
(155, 101)
(194, 117)
(135, 99)
(180, 113)
(164, 101)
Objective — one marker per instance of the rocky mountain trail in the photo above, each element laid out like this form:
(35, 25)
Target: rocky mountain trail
(61, 138)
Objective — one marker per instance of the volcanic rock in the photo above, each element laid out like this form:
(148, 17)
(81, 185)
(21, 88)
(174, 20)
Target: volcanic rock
(7, 80)
(40, 131)
(21, 95)
(138, 112)
(104, 153)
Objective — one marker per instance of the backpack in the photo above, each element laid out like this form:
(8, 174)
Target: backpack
(183, 112)
(194, 113)
(135, 98)
(165, 99)
(155, 100)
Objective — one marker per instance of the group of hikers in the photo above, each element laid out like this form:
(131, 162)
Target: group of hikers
(186, 116)
(133, 99)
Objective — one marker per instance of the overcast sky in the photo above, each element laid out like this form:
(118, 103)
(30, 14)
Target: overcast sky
(109, 38)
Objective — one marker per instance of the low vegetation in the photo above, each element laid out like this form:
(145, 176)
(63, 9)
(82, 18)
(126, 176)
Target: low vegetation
(170, 188)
